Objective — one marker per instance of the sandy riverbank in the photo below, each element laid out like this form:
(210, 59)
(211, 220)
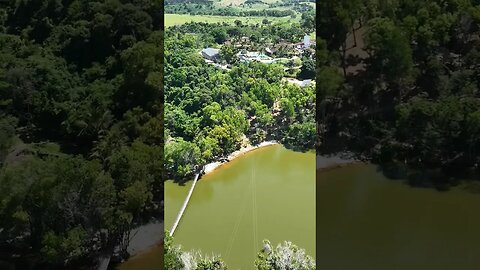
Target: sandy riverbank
(214, 165)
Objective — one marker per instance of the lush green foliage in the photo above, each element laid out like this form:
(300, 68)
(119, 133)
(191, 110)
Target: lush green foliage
(81, 141)
(176, 259)
(411, 89)
(210, 111)
(284, 256)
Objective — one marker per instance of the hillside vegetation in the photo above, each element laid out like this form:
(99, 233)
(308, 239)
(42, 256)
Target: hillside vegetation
(399, 82)
(81, 141)
(211, 112)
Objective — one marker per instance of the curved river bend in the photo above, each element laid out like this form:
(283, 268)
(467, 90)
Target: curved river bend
(267, 193)
(369, 222)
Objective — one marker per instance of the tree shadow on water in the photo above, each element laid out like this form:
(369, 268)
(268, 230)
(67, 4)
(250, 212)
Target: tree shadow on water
(430, 179)
(393, 171)
(298, 148)
(418, 178)
(182, 181)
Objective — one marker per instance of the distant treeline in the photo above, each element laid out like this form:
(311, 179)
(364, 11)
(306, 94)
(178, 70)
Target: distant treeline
(173, 2)
(198, 9)
(245, 9)
(297, 5)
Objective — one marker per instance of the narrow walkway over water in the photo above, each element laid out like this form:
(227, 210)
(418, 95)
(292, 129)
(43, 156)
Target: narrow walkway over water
(185, 203)
(229, 216)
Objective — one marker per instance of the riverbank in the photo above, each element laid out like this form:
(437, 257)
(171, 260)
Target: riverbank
(215, 165)
(367, 213)
(145, 237)
(143, 241)
(224, 210)
(335, 161)
(149, 260)
(435, 178)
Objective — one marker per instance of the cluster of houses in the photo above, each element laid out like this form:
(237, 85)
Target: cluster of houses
(268, 53)
(246, 56)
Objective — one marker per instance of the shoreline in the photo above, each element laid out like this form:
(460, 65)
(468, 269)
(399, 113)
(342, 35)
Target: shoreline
(210, 167)
(324, 163)
(145, 237)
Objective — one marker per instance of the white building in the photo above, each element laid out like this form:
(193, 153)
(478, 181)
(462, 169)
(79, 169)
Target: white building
(306, 41)
(305, 83)
(211, 54)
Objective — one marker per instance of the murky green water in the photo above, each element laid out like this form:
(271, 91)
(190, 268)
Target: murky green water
(368, 222)
(266, 194)
(150, 260)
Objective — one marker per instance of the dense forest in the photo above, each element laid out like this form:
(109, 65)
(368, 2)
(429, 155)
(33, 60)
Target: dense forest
(210, 112)
(81, 132)
(398, 82)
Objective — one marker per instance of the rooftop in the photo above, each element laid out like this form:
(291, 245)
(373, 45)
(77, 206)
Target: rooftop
(211, 51)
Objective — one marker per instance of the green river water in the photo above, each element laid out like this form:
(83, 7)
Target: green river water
(268, 193)
(368, 222)
(149, 260)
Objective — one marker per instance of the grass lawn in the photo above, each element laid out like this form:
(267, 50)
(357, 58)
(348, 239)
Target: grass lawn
(176, 19)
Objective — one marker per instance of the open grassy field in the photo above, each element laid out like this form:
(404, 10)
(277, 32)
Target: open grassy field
(177, 19)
